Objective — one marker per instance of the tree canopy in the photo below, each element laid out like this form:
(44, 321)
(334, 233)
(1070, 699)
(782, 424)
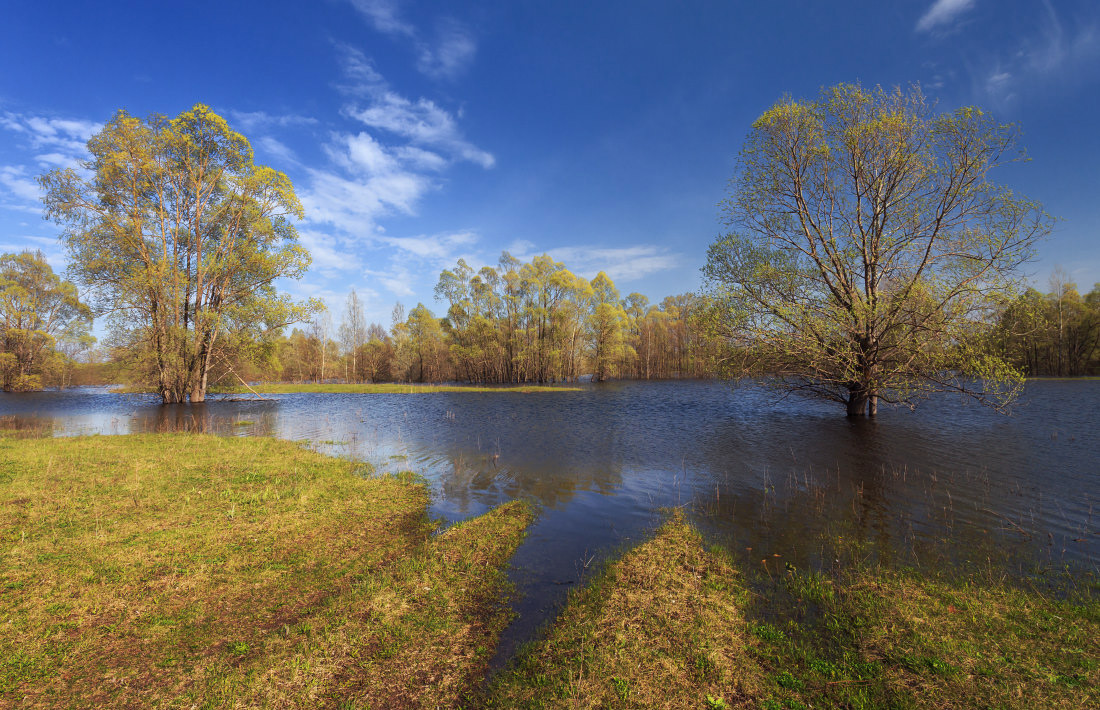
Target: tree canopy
(869, 249)
(40, 317)
(180, 237)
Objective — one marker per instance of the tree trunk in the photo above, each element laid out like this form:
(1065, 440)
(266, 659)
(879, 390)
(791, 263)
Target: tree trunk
(858, 400)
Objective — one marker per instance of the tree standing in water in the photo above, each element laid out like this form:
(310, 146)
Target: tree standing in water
(178, 234)
(870, 248)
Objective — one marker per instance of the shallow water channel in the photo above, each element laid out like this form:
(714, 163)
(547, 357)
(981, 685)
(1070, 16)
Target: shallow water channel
(951, 483)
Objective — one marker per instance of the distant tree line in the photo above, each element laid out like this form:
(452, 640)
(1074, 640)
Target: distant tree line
(514, 323)
(1052, 334)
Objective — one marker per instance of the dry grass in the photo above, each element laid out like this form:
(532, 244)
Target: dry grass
(195, 571)
(661, 628)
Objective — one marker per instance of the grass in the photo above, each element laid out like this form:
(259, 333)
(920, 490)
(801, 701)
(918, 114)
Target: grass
(393, 388)
(662, 627)
(196, 571)
(672, 625)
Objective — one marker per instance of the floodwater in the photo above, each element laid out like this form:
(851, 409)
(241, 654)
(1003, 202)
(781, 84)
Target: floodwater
(951, 483)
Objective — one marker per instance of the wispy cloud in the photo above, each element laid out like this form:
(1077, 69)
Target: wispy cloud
(441, 249)
(276, 149)
(1054, 54)
(384, 15)
(66, 136)
(355, 204)
(620, 263)
(15, 179)
(445, 55)
(371, 177)
(422, 122)
(943, 14)
(253, 121)
(453, 50)
(63, 142)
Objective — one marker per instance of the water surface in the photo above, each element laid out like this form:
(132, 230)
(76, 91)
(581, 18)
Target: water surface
(773, 479)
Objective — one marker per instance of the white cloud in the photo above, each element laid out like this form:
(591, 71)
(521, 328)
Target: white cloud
(362, 154)
(397, 281)
(447, 55)
(619, 263)
(67, 136)
(251, 121)
(276, 149)
(327, 251)
(64, 145)
(384, 16)
(354, 205)
(942, 12)
(439, 248)
(453, 51)
(372, 178)
(424, 123)
(1052, 56)
(15, 179)
(57, 160)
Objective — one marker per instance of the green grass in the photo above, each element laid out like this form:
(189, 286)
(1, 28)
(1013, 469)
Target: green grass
(671, 625)
(195, 571)
(662, 627)
(392, 388)
(881, 638)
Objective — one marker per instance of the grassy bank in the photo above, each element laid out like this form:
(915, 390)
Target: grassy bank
(672, 625)
(195, 571)
(393, 388)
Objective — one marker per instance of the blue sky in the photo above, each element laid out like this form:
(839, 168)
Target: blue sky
(602, 133)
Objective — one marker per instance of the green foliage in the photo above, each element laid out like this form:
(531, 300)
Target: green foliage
(870, 249)
(181, 236)
(1057, 333)
(43, 323)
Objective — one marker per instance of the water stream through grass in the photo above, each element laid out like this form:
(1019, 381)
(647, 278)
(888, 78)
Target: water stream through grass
(779, 481)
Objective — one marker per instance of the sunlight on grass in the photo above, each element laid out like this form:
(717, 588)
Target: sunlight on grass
(200, 571)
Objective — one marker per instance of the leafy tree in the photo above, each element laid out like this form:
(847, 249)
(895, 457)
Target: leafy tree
(605, 323)
(38, 311)
(425, 339)
(178, 233)
(1053, 334)
(870, 249)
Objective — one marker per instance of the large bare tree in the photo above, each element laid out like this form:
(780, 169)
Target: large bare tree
(869, 247)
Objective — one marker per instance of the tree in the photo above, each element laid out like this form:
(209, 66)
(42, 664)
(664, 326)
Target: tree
(353, 331)
(605, 324)
(870, 249)
(37, 311)
(177, 233)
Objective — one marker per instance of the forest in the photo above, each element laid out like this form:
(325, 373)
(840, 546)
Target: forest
(516, 322)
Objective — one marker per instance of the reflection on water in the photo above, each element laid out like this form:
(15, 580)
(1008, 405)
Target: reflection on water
(949, 484)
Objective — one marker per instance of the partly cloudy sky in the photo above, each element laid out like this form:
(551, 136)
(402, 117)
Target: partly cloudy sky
(603, 134)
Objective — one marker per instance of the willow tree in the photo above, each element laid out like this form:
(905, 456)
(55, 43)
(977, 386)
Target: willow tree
(178, 233)
(869, 248)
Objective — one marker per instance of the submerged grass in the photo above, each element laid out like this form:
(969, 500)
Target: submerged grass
(196, 571)
(674, 626)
